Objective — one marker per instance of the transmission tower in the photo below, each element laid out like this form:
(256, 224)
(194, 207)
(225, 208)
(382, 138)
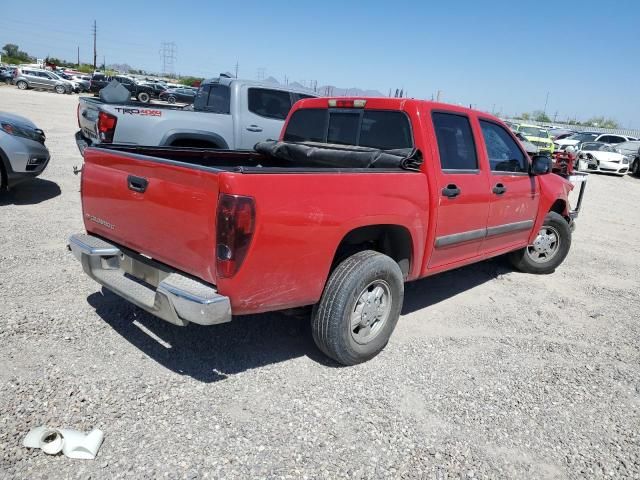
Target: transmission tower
(168, 56)
(261, 73)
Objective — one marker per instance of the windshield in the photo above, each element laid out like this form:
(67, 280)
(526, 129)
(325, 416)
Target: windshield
(582, 137)
(534, 132)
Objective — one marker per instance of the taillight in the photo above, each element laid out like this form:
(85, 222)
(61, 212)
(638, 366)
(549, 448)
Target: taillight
(106, 126)
(235, 223)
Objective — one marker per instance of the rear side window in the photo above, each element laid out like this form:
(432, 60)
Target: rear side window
(455, 142)
(383, 129)
(213, 98)
(269, 103)
(504, 155)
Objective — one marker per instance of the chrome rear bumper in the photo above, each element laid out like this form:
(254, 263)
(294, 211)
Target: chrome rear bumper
(166, 294)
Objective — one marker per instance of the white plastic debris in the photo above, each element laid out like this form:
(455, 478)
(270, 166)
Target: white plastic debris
(71, 443)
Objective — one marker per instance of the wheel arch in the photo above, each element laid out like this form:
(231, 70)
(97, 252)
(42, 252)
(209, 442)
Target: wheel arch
(206, 139)
(392, 240)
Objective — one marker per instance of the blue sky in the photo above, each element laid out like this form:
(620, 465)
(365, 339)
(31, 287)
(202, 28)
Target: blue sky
(502, 55)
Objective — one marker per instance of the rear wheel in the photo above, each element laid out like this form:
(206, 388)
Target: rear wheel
(144, 97)
(359, 308)
(635, 167)
(171, 99)
(548, 250)
(22, 85)
(59, 89)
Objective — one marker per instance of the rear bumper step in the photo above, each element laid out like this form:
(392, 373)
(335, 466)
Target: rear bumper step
(168, 295)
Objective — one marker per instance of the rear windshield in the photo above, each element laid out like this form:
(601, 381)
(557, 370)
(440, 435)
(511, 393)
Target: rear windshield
(383, 129)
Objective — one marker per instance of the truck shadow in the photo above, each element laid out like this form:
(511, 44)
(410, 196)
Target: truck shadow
(211, 354)
(31, 192)
(432, 290)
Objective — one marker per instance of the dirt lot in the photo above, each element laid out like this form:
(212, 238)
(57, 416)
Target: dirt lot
(490, 373)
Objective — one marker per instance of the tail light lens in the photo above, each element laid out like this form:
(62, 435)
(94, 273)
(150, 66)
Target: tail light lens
(106, 126)
(235, 223)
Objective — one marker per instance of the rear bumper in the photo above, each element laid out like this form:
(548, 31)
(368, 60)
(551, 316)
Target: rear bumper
(166, 294)
(82, 142)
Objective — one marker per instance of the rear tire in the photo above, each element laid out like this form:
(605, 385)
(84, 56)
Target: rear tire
(60, 89)
(635, 167)
(359, 308)
(144, 97)
(22, 85)
(171, 99)
(549, 249)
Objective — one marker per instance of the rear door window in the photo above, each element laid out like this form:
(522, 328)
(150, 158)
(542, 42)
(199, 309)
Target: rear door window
(455, 141)
(213, 98)
(269, 103)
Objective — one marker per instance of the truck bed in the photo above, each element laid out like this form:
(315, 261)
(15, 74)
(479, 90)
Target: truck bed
(161, 202)
(254, 162)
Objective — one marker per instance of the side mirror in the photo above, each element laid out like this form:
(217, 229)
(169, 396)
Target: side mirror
(540, 165)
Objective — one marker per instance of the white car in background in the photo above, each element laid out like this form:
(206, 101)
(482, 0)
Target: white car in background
(578, 138)
(601, 157)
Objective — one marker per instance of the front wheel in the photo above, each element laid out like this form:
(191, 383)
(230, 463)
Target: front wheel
(144, 97)
(359, 308)
(635, 168)
(548, 250)
(60, 89)
(22, 85)
(171, 99)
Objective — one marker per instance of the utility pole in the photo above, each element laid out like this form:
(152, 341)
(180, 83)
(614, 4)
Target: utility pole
(78, 56)
(438, 95)
(555, 115)
(546, 100)
(95, 52)
(236, 69)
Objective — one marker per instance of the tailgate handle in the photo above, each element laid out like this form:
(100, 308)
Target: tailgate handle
(137, 184)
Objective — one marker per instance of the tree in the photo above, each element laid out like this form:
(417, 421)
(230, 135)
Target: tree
(602, 122)
(525, 116)
(14, 54)
(540, 116)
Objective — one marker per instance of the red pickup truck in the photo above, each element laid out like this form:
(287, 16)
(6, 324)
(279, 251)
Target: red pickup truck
(357, 197)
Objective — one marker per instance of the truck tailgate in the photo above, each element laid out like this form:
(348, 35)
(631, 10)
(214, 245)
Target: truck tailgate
(88, 118)
(160, 209)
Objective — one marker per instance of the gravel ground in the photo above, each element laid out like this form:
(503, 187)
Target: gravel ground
(490, 373)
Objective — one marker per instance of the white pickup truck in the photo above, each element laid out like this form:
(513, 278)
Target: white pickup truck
(227, 113)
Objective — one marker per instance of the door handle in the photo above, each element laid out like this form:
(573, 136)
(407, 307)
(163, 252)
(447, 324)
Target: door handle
(254, 128)
(499, 189)
(137, 184)
(451, 191)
